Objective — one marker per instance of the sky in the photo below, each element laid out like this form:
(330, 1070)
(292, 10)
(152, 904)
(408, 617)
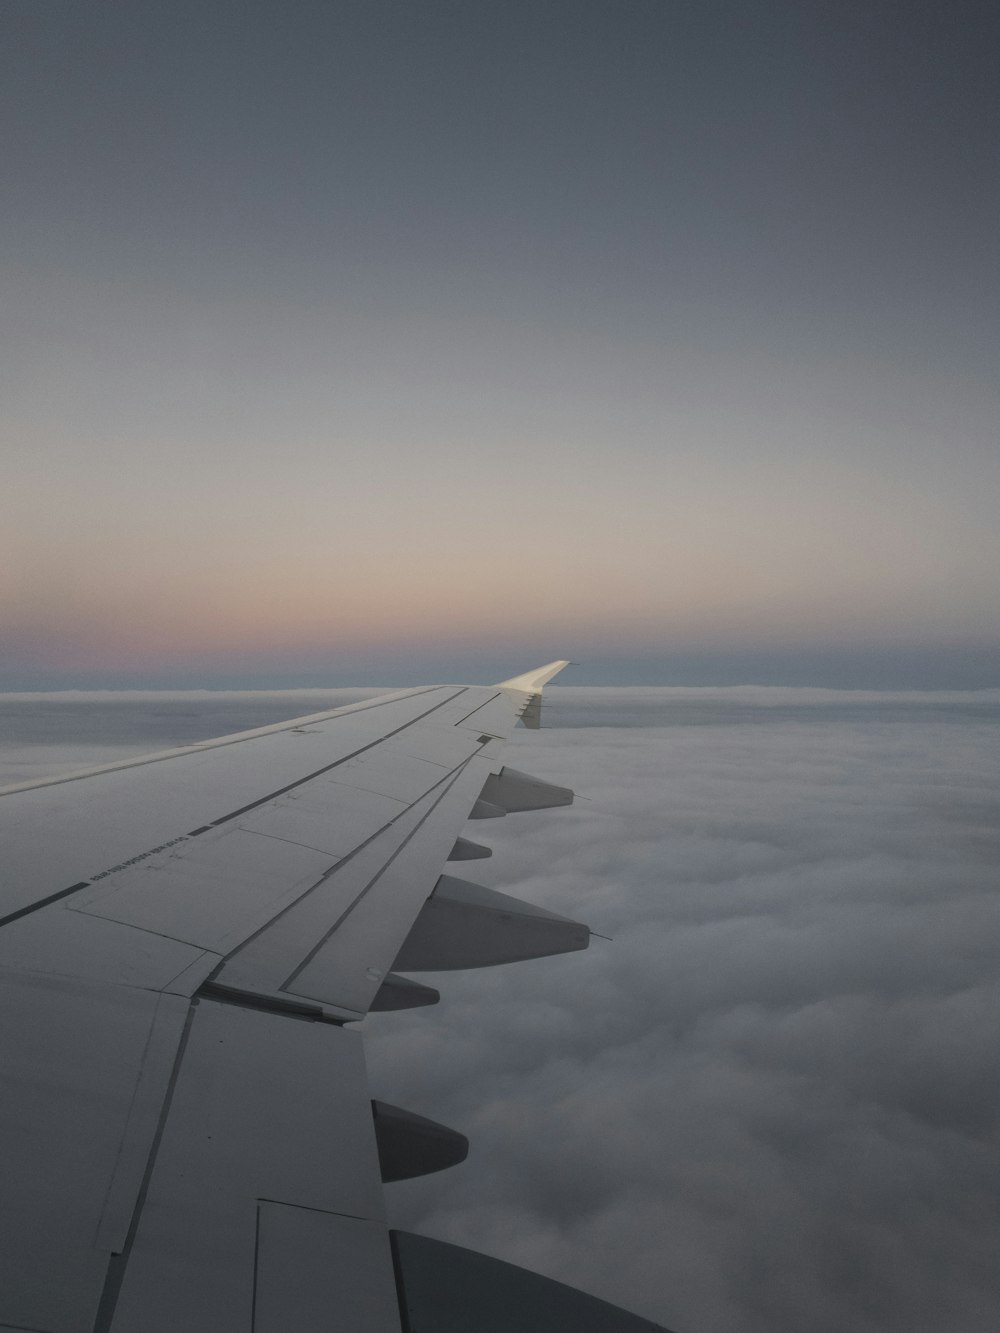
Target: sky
(353, 342)
(768, 1102)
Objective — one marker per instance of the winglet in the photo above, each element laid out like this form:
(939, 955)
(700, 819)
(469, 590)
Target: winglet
(532, 681)
(531, 684)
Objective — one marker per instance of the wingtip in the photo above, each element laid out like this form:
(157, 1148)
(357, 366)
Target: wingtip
(533, 681)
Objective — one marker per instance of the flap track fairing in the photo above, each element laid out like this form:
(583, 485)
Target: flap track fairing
(464, 850)
(513, 791)
(411, 1145)
(468, 925)
(398, 992)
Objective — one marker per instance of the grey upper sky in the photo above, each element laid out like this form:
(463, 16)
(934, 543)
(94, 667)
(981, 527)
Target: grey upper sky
(365, 332)
(590, 153)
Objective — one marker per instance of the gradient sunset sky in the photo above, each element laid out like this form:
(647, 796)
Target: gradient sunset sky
(361, 342)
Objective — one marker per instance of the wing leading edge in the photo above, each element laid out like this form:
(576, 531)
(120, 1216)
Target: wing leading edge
(188, 1136)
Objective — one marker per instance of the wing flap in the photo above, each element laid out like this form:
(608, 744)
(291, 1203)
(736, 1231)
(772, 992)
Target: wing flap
(75, 1138)
(319, 1271)
(265, 1108)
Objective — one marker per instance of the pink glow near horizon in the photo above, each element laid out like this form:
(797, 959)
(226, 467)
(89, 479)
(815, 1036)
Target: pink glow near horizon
(289, 378)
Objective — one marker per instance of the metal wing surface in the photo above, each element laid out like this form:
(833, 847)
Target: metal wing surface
(187, 1135)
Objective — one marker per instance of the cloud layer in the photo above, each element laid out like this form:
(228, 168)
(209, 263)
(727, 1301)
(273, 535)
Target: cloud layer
(770, 1102)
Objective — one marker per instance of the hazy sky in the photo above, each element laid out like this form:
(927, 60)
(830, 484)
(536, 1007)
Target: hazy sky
(357, 341)
(770, 1103)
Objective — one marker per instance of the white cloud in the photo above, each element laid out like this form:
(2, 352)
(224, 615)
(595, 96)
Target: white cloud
(768, 1103)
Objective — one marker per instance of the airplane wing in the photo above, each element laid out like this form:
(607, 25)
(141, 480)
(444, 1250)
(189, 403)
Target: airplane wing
(186, 1133)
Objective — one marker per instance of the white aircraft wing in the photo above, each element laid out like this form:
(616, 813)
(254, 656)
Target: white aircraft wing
(187, 1140)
